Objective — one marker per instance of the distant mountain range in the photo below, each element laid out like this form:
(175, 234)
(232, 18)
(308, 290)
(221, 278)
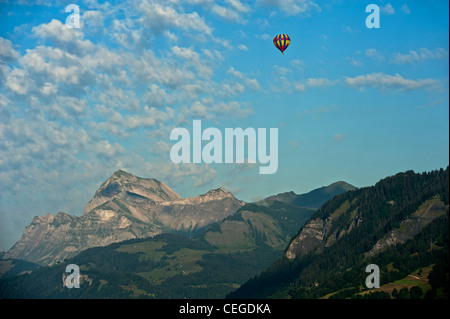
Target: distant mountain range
(313, 199)
(127, 207)
(139, 239)
(124, 207)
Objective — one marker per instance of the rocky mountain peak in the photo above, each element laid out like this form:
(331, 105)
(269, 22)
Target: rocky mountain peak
(218, 192)
(123, 185)
(122, 174)
(45, 219)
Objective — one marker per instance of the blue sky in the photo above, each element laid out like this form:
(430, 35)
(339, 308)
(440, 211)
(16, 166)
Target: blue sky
(350, 103)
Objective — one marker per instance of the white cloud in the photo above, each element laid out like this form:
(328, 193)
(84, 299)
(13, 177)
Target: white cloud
(232, 109)
(354, 61)
(374, 54)
(193, 58)
(242, 47)
(238, 6)
(68, 39)
(386, 82)
(297, 65)
(405, 9)
(312, 83)
(128, 34)
(263, 36)
(252, 83)
(18, 82)
(200, 110)
(421, 54)
(149, 117)
(292, 7)
(157, 97)
(7, 52)
(48, 89)
(233, 12)
(105, 149)
(147, 68)
(93, 21)
(175, 174)
(79, 104)
(388, 9)
(159, 17)
(318, 82)
(205, 3)
(226, 13)
(300, 87)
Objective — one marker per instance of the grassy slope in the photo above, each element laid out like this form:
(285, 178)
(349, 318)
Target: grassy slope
(413, 279)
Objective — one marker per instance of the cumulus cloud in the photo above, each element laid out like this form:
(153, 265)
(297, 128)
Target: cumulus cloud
(68, 39)
(158, 17)
(7, 52)
(77, 104)
(233, 11)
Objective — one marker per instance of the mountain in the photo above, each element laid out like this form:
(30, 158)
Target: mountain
(221, 256)
(213, 264)
(313, 199)
(400, 224)
(124, 207)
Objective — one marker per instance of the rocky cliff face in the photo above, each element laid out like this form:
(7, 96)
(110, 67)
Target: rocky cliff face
(124, 207)
(324, 232)
(129, 188)
(411, 226)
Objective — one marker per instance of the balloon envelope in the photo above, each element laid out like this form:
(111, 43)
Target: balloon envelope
(282, 41)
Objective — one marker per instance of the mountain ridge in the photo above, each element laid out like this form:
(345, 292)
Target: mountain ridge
(313, 198)
(171, 265)
(249, 250)
(124, 207)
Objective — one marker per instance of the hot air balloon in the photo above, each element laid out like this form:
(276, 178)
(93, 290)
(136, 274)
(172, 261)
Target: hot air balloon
(282, 41)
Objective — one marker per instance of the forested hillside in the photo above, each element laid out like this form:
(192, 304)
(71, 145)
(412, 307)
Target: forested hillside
(351, 231)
